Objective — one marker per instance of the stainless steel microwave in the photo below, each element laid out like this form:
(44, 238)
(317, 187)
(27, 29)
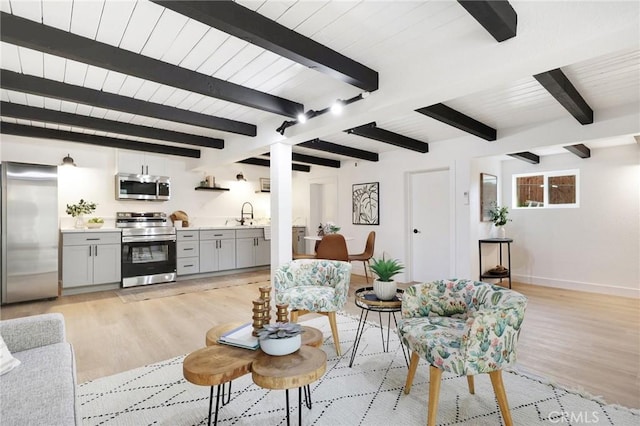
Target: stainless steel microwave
(142, 187)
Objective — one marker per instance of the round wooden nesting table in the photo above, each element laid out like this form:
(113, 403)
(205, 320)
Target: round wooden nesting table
(296, 370)
(310, 336)
(217, 365)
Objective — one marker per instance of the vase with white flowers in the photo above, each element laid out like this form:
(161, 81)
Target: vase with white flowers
(79, 210)
(499, 217)
(328, 228)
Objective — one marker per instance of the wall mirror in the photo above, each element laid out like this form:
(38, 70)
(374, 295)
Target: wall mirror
(488, 195)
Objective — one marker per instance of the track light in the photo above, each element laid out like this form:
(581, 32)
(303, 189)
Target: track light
(68, 161)
(240, 177)
(337, 106)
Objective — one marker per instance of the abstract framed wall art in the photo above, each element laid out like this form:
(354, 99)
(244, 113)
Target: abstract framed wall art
(365, 201)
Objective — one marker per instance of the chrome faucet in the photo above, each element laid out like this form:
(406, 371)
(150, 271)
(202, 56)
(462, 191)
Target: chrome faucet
(243, 214)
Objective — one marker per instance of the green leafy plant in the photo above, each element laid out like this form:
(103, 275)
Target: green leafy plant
(82, 207)
(499, 214)
(279, 330)
(386, 269)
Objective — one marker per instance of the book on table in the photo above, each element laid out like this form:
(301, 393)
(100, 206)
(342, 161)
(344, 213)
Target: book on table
(241, 337)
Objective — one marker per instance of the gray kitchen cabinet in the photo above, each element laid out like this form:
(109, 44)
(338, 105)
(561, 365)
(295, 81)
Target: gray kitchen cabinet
(298, 239)
(141, 163)
(217, 250)
(187, 252)
(90, 258)
(251, 248)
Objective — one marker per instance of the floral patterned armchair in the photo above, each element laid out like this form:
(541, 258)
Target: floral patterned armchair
(314, 285)
(464, 327)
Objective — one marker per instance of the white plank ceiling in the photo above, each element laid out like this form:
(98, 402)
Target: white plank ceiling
(366, 31)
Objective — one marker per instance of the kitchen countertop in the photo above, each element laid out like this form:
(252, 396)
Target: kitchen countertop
(75, 230)
(190, 228)
(204, 228)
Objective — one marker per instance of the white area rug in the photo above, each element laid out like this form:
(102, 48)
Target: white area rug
(369, 393)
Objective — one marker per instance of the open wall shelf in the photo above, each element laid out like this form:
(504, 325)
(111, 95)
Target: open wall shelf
(206, 188)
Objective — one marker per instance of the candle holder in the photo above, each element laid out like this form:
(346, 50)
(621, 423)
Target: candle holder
(265, 294)
(282, 313)
(258, 315)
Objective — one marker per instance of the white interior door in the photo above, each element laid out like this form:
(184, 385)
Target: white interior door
(430, 225)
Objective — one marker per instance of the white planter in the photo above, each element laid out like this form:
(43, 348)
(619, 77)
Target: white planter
(278, 347)
(498, 232)
(385, 290)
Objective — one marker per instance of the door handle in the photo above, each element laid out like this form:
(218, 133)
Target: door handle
(95, 250)
(89, 251)
(415, 231)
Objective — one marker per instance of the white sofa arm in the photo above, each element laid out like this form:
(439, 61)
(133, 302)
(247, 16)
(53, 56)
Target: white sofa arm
(34, 331)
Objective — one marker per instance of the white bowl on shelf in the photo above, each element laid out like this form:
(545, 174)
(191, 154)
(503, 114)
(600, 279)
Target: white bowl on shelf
(94, 225)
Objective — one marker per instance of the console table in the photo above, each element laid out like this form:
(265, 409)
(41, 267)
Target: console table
(500, 242)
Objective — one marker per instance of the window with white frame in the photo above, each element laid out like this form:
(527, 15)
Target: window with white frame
(556, 189)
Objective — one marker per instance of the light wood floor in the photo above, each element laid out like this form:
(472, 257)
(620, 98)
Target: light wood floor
(572, 338)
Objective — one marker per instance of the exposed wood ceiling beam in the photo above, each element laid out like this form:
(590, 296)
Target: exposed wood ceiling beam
(257, 29)
(496, 16)
(580, 150)
(267, 163)
(41, 132)
(526, 156)
(559, 86)
(370, 131)
(8, 109)
(334, 148)
(26, 33)
(454, 118)
(68, 92)
(302, 158)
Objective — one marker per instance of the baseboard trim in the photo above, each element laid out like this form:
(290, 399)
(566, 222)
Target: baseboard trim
(578, 286)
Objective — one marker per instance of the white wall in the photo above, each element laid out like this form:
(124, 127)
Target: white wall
(93, 180)
(595, 247)
(390, 172)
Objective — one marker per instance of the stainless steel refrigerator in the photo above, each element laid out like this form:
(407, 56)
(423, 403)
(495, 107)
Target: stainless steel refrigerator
(29, 232)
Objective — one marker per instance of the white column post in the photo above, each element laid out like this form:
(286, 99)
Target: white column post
(281, 205)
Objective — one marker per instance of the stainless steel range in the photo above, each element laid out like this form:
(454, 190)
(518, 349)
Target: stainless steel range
(148, 248)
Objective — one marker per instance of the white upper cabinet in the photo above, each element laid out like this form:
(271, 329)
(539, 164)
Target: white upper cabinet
(135, 162)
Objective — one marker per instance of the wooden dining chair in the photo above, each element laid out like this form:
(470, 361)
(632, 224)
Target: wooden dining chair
(333, 247)
(366, 254)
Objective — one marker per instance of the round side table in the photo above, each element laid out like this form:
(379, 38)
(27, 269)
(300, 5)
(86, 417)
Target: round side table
(367, 301)
(296, 370)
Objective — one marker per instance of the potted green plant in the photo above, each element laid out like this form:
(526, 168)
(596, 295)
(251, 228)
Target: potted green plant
(385, 286)
(78, 210)
(499, 217)
(280, 338)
